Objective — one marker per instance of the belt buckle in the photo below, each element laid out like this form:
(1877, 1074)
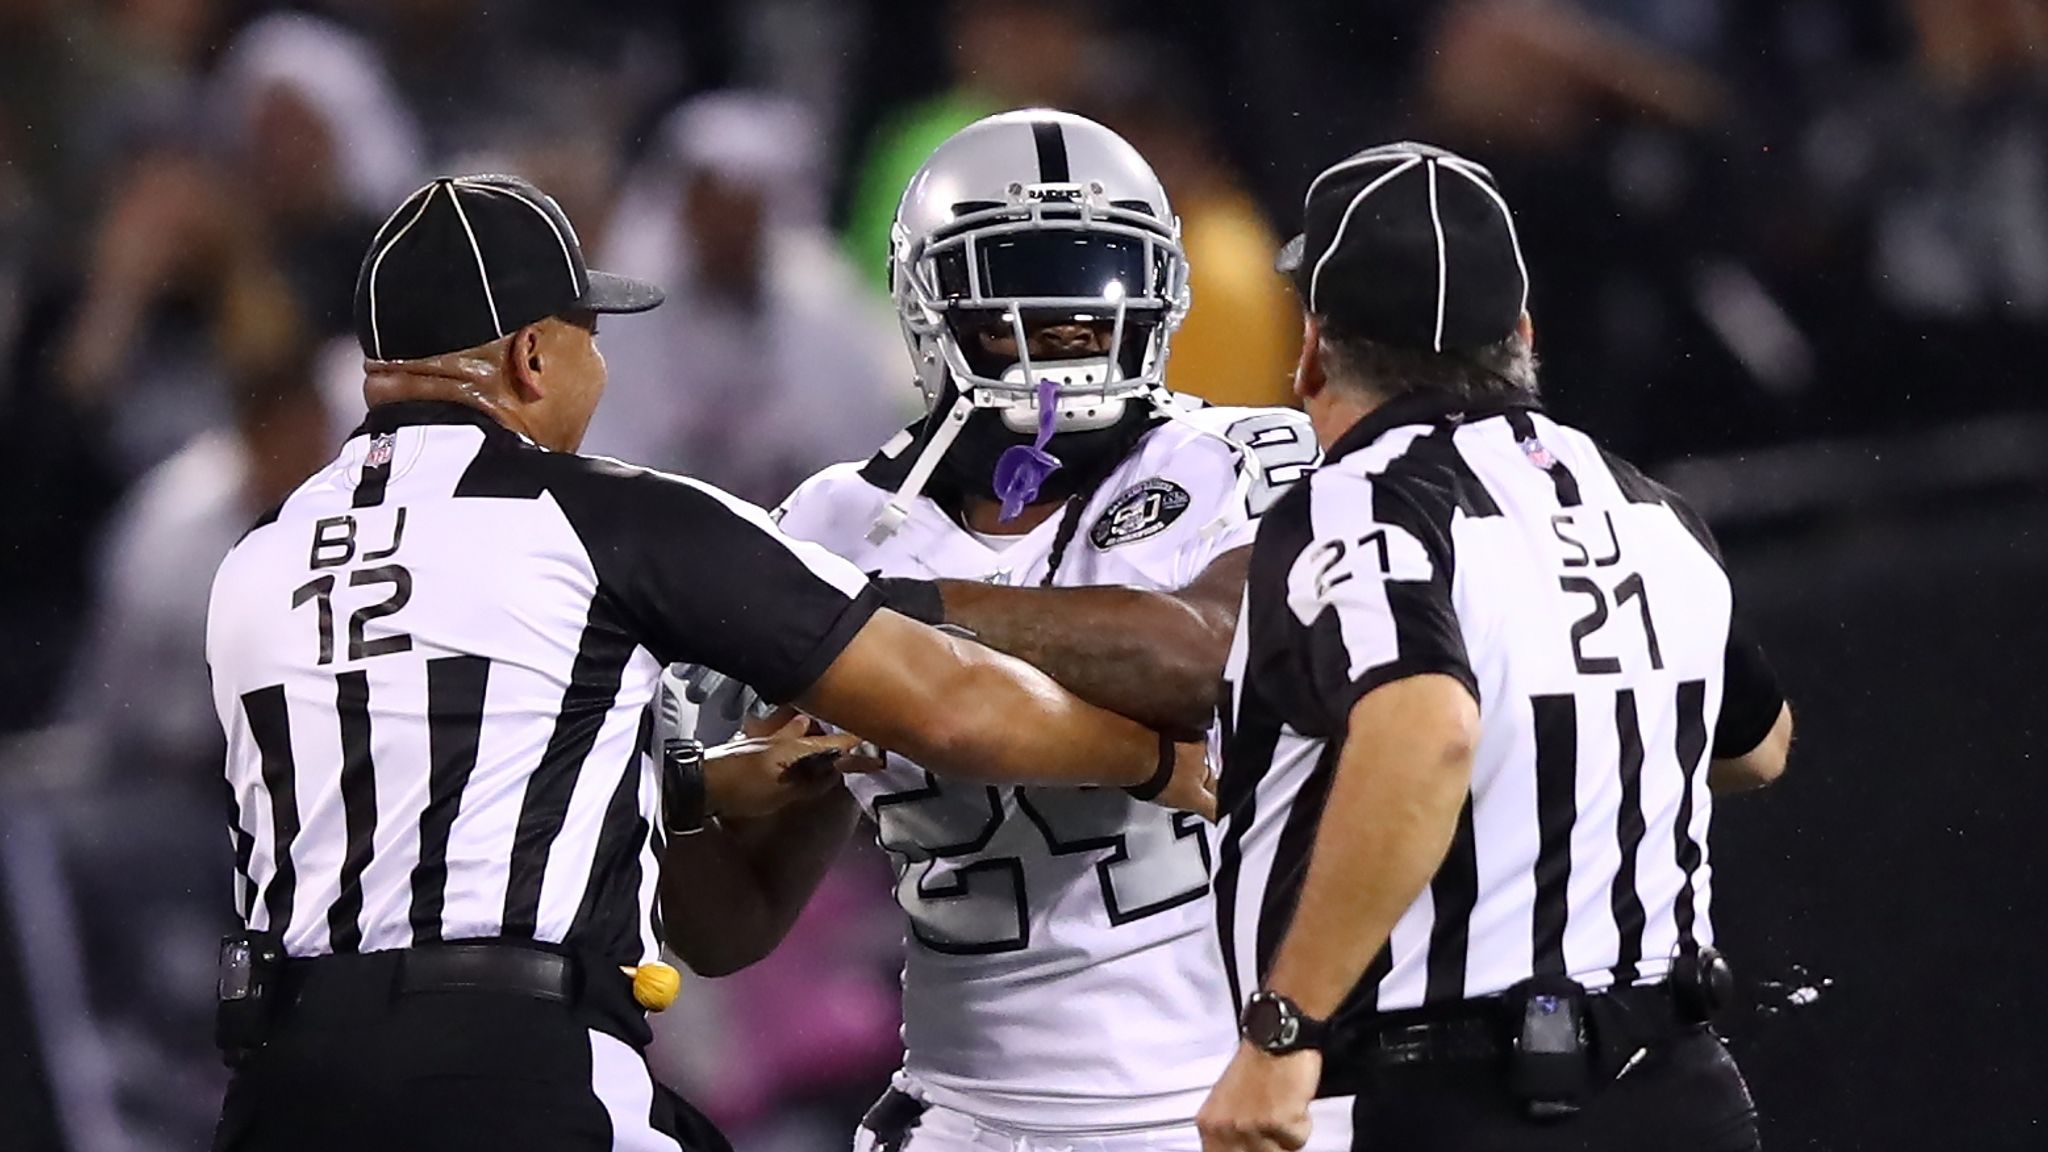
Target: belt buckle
(1406, 1045)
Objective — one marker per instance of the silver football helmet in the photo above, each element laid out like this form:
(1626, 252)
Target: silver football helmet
(1020, 219)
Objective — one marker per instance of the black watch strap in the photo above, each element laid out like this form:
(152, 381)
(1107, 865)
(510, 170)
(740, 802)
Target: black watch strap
(685, 801)
(1273, 1023)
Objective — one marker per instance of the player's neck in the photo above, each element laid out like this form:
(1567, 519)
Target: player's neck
(985, 516)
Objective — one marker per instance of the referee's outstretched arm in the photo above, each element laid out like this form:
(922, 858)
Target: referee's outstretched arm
(970, 712)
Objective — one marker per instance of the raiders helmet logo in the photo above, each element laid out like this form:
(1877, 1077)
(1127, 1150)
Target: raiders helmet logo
(1144, 511)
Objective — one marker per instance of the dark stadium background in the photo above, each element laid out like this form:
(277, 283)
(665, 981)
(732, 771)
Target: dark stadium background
(1791, 255)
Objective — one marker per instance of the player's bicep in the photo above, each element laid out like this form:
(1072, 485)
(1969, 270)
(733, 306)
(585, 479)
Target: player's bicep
(1218, 590)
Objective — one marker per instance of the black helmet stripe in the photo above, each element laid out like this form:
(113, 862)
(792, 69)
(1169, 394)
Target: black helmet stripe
(1052, 152)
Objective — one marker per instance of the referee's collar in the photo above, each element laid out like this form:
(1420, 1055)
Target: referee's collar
(404, 413)
(1418, 408)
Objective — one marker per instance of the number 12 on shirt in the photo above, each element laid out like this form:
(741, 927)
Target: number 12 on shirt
(334, 545)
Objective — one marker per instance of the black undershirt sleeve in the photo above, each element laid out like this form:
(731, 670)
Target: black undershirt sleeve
(1750, 697)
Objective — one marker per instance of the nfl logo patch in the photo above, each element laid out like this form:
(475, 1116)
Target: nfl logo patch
(1538, 454)
(380, 450)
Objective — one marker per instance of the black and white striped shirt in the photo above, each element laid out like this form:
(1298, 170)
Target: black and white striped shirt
(1586, 609)
(433, 664)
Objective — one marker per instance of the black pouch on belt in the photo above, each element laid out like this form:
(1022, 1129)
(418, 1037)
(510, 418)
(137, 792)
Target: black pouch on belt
(250, 963)
(1549, 1061)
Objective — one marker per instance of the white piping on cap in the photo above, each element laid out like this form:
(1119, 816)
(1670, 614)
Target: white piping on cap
(376, 265)
(1316, 276)
(483, 274)
(568, 261)
(1514, 239)
(1347, 164)
(1443, 260)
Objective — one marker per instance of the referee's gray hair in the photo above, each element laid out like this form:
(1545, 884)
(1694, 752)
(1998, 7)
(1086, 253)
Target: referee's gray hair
(1502, 370)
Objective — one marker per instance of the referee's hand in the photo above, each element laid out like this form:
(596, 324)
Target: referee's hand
(1261, 1103)
(760, 775)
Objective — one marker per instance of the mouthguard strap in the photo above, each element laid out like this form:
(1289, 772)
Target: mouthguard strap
(1022, 471)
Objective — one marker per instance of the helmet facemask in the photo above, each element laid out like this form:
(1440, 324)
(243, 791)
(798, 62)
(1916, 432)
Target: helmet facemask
(1054, 253)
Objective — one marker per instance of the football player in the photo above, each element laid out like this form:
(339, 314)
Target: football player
(1063, 981)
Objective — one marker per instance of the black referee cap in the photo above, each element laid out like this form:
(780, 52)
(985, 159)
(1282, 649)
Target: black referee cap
(1412, 246)
(468, 259)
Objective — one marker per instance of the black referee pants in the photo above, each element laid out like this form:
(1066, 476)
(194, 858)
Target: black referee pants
(1685, 1095)
(352, 1066)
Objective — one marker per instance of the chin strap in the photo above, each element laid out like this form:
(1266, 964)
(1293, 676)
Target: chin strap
(897, 510)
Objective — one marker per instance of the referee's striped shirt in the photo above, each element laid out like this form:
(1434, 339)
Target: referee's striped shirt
(433, 664)
(1586, 609)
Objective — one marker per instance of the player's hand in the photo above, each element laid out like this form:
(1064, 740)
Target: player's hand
(723, 703)
(1261, 1103)
(1193, 787)
(860, 761)
(760, 775)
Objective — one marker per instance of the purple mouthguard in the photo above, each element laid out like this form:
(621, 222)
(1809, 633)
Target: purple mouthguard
(1023, 469)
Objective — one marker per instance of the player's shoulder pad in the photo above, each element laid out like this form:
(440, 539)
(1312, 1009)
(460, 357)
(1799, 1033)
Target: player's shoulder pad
(838, 501)
(1228, 420)
(1278, 442)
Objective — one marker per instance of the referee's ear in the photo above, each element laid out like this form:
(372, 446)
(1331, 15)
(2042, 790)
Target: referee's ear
(1309, 378)
(525, 362)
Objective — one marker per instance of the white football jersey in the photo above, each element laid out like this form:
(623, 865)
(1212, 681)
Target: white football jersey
(1062, 971)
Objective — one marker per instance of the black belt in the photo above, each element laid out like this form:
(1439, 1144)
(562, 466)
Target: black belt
(1479, 1030)
(349, 990)
(487, 968)
(504, 967)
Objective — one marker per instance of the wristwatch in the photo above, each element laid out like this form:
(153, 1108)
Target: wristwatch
(1273, 1023)
(685, 803)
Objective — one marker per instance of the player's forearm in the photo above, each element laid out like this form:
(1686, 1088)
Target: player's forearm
(1150, 656)
(1015, 725)
(730, 893)
(1156, 657)
(1388, 821)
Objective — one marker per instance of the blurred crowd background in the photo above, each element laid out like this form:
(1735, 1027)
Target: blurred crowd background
(1792, 255)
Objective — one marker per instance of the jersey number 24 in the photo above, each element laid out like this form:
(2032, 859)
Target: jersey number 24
(959, 853)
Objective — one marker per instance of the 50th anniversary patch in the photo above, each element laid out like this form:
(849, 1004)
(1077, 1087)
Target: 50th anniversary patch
(1143, 511)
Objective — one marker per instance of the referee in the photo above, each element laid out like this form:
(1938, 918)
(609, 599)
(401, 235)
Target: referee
(433, 664)
(1484, 693)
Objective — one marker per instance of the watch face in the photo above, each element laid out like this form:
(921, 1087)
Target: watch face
(1268, 1023)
